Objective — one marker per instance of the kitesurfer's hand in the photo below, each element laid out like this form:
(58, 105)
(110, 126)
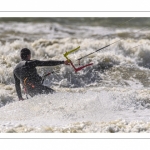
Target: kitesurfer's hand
(67, 62)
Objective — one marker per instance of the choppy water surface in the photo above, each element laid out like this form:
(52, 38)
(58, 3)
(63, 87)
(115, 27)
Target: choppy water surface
(112, 95)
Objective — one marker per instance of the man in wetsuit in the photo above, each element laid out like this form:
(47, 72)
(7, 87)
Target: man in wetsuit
(25, 72)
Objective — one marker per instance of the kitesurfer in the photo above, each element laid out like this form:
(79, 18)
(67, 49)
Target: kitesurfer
(25, 72)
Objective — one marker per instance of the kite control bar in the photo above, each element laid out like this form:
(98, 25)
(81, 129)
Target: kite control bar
(79, 68)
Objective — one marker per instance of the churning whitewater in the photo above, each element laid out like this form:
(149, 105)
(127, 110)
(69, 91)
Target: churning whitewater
(112, 95)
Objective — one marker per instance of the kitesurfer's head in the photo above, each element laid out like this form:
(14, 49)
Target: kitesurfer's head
(25, 54)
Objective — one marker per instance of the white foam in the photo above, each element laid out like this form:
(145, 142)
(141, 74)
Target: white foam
(61, 112)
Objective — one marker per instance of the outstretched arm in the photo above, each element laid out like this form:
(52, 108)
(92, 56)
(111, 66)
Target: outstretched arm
(35, 63)
(18, 88)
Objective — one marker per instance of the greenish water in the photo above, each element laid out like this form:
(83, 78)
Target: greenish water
(91, 21)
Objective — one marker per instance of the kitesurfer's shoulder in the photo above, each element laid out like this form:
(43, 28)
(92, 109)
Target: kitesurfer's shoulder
(21, 63)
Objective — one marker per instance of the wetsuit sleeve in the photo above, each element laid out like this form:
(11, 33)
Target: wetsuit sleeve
(35, 63)
(17, 86)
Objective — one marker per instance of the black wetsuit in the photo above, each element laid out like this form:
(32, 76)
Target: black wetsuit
(26, 73)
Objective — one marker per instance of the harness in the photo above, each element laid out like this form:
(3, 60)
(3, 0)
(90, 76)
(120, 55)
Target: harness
(29, 84)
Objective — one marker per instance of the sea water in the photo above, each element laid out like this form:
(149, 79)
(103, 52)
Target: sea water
(112, 95)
